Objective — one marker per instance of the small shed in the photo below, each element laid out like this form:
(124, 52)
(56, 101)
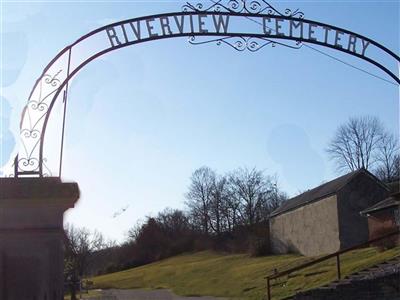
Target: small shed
(383, 217)
(327, 218)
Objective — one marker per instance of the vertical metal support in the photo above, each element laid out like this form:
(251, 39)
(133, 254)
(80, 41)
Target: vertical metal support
(268, 289)
(338, 266)
(16, 166)
(65, 96)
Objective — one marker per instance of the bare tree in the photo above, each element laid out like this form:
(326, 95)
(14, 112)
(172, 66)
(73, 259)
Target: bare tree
(230, 208)
(219, 198)
(198, 199)
(218, 204)
(364, 143)
(134, 232)
(80, 245)
(250, 188)
(174, 222)
(355, 143)
(388, 158)
(275, 197)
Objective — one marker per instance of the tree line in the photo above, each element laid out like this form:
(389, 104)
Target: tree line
(218, 204)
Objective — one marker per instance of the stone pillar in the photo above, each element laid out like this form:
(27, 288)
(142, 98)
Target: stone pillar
(32, 237)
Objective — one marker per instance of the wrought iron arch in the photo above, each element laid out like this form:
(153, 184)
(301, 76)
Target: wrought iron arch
(191, 22)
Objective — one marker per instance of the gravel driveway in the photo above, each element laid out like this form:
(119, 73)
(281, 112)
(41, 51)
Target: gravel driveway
(146, 295)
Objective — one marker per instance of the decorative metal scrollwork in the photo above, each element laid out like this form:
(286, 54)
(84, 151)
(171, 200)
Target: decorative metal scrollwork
(240, 43)
(243, 7)
(35, 111)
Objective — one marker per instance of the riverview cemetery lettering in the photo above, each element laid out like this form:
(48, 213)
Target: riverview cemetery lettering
(218, 24)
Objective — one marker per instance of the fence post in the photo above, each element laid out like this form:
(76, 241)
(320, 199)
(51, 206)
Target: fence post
(338, 266)
(268, 289)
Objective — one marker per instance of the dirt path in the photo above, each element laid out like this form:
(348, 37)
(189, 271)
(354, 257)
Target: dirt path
(146, 295)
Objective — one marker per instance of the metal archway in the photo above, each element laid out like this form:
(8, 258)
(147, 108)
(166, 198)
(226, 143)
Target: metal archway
(220, 22)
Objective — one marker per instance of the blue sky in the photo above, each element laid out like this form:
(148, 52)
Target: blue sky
(142, 118)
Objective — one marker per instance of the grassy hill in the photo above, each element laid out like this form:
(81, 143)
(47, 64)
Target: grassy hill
(237, 276)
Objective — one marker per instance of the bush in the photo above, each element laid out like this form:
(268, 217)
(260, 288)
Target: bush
(259, 246)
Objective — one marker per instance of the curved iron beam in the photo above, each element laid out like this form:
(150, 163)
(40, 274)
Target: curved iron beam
(209, 34)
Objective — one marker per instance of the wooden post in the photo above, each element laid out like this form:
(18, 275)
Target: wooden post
(338, 266)
(268, 289)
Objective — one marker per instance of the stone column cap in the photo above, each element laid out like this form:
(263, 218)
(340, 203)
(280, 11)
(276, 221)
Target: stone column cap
(37, 188)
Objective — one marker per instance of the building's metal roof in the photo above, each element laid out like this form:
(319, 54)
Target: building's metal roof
(320, 192)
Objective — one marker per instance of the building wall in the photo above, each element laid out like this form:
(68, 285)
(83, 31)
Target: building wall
(360, 193)
(311, 230)
(380, 223)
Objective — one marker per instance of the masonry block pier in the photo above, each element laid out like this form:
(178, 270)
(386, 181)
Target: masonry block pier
(32, 237)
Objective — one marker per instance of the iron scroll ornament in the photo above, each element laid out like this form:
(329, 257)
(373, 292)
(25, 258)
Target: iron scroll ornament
(212, 23)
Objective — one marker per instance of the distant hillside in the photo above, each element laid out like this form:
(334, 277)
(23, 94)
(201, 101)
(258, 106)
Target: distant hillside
(236, 276)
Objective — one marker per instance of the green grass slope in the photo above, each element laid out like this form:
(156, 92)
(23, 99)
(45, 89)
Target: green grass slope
(237, 276)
